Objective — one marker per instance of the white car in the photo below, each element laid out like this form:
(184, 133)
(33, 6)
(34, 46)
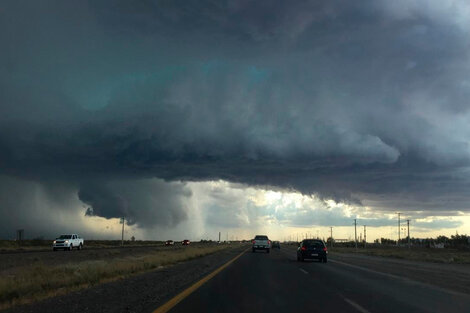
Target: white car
(68, 242)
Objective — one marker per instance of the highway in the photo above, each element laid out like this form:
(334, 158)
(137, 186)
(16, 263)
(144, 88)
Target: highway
(276, 282)
(237, 281)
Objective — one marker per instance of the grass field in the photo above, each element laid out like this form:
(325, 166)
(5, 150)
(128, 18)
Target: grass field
(416, 254)
(12, 245)
(28, 283)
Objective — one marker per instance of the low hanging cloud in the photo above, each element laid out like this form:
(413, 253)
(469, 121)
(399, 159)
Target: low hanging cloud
(44, 209)
(146, 202)
(363, 103)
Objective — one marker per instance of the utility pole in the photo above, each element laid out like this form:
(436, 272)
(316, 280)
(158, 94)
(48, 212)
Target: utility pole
(409, 240)
(398, 242)
(365, 238)
(355, 233)
(219, 236)
(122, 235)
(331, 235)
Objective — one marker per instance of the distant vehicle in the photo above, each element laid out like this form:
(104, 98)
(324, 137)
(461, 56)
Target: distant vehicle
(169, 243)
(276, 244)
(312, 249)
(185, 242)
(68, 242)
(261, 242)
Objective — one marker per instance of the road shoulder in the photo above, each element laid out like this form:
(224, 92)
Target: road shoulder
(140, 293)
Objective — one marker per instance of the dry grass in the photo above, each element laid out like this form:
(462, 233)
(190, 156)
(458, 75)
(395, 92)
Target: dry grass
(416, 254)
(33, 245)
(39, 281)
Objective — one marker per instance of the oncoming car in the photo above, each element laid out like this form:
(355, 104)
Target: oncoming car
(68, 242)
(185, 242)
(312, 249)
(169, 243)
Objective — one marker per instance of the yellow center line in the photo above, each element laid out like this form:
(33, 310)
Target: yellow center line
(179, 297)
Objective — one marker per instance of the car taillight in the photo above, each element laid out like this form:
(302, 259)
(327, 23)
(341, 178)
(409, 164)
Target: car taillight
(325, 249)
(269, 242)
(253, 241)
(303, 248)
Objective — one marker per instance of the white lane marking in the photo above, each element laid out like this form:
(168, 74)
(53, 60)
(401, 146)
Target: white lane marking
(369, 270)
(404, 279)
(303, 271)
(356, 306)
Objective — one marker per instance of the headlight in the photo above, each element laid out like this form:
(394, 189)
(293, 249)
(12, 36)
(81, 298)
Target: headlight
(66, 241)
(54, 241)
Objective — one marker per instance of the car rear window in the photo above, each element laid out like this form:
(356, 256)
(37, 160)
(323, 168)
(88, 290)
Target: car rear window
(314, 244)
(261, 238)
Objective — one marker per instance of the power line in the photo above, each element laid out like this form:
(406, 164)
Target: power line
(122, 221)
(331, 235)
(365, 240)
(409, 240)
(355, 233)
(398, 242)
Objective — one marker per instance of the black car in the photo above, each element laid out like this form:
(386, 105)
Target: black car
(312, 249)
(276, 244)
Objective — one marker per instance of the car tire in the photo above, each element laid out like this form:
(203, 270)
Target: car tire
(71, 247)
(253, 250)
(79, 247)
(301, 259)
(54, 249)
(298, 258)
(325, 260)
(267, 250)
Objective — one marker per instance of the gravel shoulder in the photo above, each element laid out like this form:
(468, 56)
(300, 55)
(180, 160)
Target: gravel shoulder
(139, 293)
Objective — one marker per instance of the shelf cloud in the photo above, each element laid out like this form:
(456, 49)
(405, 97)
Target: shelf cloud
(364, 103)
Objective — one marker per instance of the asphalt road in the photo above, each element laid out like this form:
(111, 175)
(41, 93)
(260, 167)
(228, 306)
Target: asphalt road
(276, 282)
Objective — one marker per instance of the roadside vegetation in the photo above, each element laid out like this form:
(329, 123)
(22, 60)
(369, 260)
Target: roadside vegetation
(42, 244)
(28, 283)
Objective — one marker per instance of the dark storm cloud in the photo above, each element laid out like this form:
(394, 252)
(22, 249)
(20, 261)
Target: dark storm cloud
(363, 102)
(31, 206)
(48, 207)
(146, 202)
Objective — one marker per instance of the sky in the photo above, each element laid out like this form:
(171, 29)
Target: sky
(191, 118)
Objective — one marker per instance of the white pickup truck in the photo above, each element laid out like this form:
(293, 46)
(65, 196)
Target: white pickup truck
(68, 242)
(261, 242)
